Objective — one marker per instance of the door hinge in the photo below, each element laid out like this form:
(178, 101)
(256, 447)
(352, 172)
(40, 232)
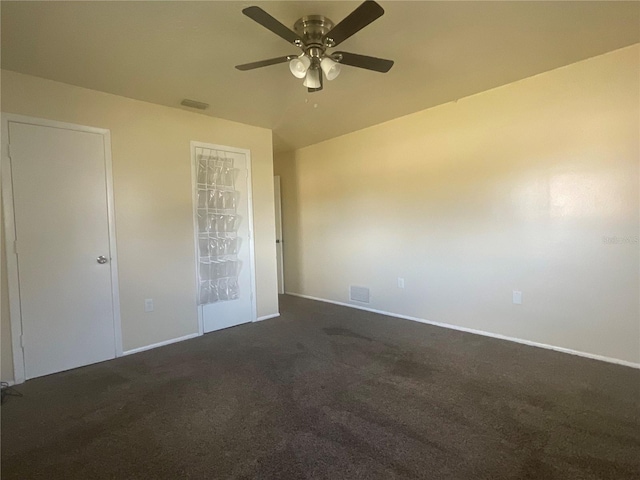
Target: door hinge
(9, 150)
(22, 341)
(15, 247)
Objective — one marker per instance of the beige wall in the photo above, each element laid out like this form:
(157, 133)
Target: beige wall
(152, 189)
(511, 189)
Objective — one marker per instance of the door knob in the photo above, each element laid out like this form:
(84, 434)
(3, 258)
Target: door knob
(102, 259)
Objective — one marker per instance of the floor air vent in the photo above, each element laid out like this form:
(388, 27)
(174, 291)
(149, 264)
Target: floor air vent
(359, 294)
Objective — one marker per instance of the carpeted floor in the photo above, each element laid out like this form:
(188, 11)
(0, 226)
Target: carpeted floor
(327, 392)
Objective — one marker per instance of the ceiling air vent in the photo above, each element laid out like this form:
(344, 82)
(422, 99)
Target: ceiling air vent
(194, 104)
(359, 294)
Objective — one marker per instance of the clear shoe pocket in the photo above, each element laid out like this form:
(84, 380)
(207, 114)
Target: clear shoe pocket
(232, 268)
(212, 199)
(224, 268)
(218, 269)
(214, 172)
(203, 221)
(204, 249)
(203, 196)
(202, 169)
(229, 200)
(205, 292)
(222, 288)
(231, 245)
(233, 289)
(216, 246)
(213, 292)
(228, 289)
(217, 223)
(231, 223)
(204, 271)
(227, 178)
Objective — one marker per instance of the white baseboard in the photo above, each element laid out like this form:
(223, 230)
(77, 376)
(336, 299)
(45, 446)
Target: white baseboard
(478, 332)
(160, 344)
(267, 317)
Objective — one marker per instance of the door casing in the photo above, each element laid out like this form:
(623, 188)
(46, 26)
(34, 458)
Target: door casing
(10, 235)
(279, 235)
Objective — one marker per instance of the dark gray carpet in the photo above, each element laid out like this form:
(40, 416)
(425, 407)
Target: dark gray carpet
(327, 392)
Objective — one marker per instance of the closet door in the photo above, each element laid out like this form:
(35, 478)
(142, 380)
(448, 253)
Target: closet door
(62, 245)
(225, 266)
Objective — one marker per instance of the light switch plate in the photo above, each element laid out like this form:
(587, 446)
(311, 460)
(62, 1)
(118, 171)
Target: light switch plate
(148, 305)
(400, 282)
(517, 297)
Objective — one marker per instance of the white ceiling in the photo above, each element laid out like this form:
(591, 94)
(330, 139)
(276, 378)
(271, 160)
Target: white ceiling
(162, 52)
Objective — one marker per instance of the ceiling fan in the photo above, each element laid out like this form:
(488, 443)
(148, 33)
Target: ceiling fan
(314, 35)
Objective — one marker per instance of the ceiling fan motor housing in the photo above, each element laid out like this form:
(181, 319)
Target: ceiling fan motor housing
(311, 29)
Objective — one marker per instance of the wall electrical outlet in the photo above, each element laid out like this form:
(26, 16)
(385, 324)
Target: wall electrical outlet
(517, 297)
(148, 304)
(400, 282)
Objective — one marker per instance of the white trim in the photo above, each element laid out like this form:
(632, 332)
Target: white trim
(43, 122)
(194, 199)
(530, 343)
(9, 224)
(194, 208)
(111, 212)
(277, 187)
(161, 344)
(15, 313)
(267, 317)
(252, 250)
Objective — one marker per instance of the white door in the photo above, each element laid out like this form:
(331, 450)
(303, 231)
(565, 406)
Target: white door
(223, 233)
(279, 245)
(61, 228)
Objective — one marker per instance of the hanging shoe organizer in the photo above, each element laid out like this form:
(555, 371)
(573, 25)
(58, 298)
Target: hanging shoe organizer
(218, 222)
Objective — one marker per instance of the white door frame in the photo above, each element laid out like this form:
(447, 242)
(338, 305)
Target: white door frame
(194, 200)
(10, 235)
(278, 204)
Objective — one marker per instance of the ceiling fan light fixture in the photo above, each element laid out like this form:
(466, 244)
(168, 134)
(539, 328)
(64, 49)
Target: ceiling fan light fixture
(330, 67)
(299, 66)
(312, 79)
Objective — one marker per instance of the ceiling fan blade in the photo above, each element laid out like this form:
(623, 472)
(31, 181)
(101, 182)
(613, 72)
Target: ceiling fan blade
(265, 63)
(267, 21)
(353, 23)
(363, 61)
